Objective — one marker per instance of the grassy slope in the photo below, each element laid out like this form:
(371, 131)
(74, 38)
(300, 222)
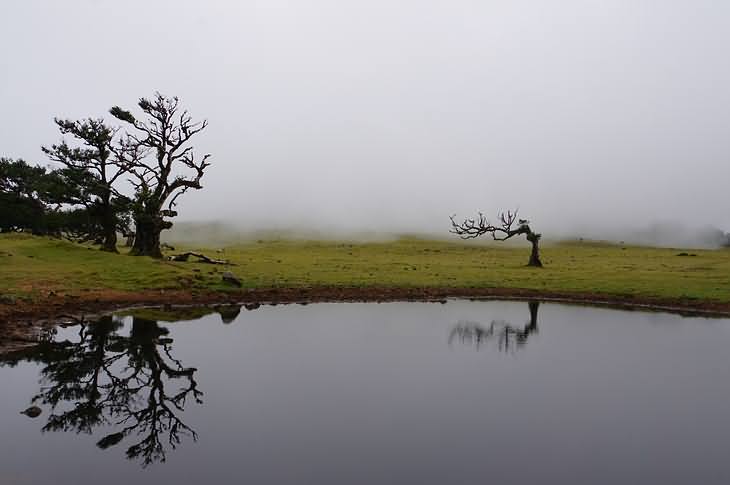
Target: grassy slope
(32, 266)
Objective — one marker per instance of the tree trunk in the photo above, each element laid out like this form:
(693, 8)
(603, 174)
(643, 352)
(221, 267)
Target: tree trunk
(109, 226)
(147, 237)
(535, 254)
(110, 241)
(147, 241)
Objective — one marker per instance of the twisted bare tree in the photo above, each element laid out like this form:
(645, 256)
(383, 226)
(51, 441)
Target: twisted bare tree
(163, 164)
(508, 227)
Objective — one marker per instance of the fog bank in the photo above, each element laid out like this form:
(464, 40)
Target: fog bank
(376, 117)
(662, 234)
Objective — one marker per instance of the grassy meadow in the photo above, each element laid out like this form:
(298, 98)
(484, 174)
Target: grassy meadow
(35, 267)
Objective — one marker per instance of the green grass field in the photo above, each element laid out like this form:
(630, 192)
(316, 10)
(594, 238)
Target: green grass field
(34, 266)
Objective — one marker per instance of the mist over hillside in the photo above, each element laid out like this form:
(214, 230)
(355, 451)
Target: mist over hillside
(660, 234)
(223, 233)
(595, 118)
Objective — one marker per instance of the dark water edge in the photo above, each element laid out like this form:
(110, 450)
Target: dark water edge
(464, 392)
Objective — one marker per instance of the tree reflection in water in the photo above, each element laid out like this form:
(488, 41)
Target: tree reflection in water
(507, 337)
(129, 382)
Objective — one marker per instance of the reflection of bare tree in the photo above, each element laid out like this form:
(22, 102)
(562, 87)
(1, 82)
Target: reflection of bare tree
(507, 337)
(124, 381)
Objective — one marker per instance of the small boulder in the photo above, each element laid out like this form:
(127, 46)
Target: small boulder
(230, 278)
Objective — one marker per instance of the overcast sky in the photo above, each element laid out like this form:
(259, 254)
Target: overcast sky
(392, 115)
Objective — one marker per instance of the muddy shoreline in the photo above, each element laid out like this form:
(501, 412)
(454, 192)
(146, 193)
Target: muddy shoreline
(23, 322)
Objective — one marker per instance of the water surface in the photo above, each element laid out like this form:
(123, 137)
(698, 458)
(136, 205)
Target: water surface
(423, 393)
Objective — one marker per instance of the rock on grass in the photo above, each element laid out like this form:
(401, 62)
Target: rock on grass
(231, 279)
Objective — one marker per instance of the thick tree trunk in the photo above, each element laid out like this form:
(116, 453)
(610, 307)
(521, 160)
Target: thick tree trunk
(147, 237)
(535, 254)
(147, 241)
(147, 244)
(110, 241)
(109, 226)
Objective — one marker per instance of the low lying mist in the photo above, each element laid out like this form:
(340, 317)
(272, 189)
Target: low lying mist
(222, 233)
(661, 234)
(368, 119)
(225, 233)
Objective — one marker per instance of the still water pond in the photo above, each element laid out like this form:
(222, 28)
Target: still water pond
(397, 393)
